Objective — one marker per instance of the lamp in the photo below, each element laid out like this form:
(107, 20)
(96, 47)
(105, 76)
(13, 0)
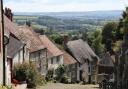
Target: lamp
(6, 40)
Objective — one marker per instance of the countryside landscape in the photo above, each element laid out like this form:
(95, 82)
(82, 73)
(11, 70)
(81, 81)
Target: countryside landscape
(51, 44)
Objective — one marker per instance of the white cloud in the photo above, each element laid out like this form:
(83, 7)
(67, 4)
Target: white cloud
(64, 5)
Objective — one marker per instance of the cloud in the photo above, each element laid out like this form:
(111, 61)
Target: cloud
(63, 5)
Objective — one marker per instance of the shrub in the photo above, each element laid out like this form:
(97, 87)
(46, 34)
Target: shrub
(65, 79)
(32, 75)
(41, 80)
(49, 75)
(27, 72)
(59, 72)
(20, 72)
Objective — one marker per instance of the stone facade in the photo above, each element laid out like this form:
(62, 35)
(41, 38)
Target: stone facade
(71, 71)
(39, 58)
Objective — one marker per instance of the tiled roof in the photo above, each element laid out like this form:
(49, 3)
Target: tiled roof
(25, 34)
(52, 49)
(32, 40)
(14, 46)
(81, 51)
(68, 59)
(10, 26)
(6, 26)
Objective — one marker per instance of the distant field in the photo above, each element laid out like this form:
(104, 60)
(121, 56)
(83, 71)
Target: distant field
(25, 17)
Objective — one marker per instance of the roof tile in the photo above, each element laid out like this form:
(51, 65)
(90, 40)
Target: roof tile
(52, 49)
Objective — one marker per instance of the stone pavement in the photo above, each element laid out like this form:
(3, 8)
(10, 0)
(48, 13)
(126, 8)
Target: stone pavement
(22, 86)
(67, 86)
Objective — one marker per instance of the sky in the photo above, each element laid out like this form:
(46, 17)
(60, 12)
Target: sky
(64, 5)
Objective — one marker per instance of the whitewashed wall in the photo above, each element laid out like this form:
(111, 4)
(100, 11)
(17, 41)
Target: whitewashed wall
(8, 74)
(7, 70)
(26, 54)
(18, 58)
(55, 63)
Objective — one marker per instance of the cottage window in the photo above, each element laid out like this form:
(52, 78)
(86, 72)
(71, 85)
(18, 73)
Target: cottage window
(51, 60)
(58, 59)
(73, 66)
(89, 69)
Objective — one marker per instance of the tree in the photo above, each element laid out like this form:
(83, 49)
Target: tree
(94, 39)
(85, 35)
(109, 34)
(123, 64)
(57, 38)
(97, 42)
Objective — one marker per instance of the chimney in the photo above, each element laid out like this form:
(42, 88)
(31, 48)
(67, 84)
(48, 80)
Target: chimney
(66, 39)
(28, 23)
(9, 13)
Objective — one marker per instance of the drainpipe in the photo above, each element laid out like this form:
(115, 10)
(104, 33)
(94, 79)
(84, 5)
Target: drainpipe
(3, 46)
(46, 59)
(23, 53)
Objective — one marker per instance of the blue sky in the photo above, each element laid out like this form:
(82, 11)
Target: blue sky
(64, 5)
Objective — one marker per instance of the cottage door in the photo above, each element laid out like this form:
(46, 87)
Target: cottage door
(81, 72)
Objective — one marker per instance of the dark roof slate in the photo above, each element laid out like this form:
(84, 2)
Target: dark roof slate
(14, 46)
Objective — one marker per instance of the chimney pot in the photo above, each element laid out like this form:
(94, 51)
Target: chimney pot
(9, 13)
(66, 39)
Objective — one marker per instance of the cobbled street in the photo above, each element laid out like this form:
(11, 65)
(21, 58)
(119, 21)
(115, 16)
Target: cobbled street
(67, 86)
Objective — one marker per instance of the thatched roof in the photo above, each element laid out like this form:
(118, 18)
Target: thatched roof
(106, 60)
(81, 51)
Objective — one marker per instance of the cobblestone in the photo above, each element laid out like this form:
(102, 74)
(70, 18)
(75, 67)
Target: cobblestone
(23, 86)
(67, 86)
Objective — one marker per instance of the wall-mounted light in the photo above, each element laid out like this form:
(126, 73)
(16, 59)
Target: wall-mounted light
(6, 40)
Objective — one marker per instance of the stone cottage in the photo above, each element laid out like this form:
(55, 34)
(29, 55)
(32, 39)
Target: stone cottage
(86, 57)
(37, 50)
(71, 66)
(54, 54)
(105, 67)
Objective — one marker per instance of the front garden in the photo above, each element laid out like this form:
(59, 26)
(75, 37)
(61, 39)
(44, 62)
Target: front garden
(27, 73)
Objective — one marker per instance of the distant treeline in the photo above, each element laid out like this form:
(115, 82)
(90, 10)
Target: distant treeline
(64, 24)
